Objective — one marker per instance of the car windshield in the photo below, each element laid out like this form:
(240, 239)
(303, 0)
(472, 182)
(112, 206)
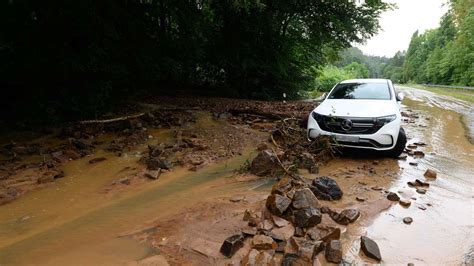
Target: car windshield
(376, 91)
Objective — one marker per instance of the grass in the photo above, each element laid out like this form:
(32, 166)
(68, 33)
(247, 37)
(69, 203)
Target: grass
(462, 94)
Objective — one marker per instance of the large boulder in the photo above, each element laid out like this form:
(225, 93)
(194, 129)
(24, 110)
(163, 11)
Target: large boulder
(308, 217)
(266, 163)
(326, 188)
(304, 198)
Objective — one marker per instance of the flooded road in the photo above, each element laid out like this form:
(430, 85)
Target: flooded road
(443, 234)
(73, 222)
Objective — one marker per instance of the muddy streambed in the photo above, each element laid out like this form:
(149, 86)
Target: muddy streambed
(74, 222)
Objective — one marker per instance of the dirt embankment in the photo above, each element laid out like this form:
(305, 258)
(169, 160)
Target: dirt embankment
(166, 133)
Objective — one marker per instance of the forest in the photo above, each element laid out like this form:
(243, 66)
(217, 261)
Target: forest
(63, 60)
(442, 56)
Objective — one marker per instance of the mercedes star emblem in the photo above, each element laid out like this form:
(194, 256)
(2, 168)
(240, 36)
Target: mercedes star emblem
(346, 124)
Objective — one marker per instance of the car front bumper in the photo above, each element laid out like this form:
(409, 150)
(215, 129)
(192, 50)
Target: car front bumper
(384, 139)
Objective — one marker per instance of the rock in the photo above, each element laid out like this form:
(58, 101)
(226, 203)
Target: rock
(279, 222)
(307, 217)
(299, 232)
(154, 174)
(405, 202)
(361, 199)
(377, 188)
(370, 248)
(277, 204)
(308, 162)
(421, 190)
(407, 220)
(413, 163)
(421, 207)
(124, 181)
(334, 251)
(282, 187)
(290, 259)
(265, 163)
(72, 154)
(232, 245)
(97, 160)
(392, 196)
(284, 232)
(419, 154)
(326, 188)
(324, 233)
(421, 183)
(402, 157)
(237, 199)
(281, 247)
(263, 242)
(304, 198)
(249, 232)
(255, 257)
(251, 218)
(306, 249)
(345, 217)
(430, 173)
(266, 225)
(158, 164)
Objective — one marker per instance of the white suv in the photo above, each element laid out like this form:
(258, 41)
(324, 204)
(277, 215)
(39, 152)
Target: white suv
(361, 113)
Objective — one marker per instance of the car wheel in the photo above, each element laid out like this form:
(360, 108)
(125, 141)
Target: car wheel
(400, 146)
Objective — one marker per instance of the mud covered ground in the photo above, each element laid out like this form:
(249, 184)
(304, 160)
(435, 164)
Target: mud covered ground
(168, 183)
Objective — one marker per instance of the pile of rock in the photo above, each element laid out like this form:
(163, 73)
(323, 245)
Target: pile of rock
(290, 224)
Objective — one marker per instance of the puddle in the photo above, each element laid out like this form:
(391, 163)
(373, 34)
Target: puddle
(443, 233)
(66, 230)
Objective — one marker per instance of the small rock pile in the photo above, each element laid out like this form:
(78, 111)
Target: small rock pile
(290, 224)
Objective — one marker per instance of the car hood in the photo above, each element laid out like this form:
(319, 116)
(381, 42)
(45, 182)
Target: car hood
(358, 108)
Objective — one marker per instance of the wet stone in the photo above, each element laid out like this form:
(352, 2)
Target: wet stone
(334, 251)
(232, 245)
(421, 191)
(392, 196)
(430, 173)
(326, 188)
(370, 248)
(307, 217)
(97, 160)
(405, 202)
(345, 217)
(421, 183)
(304, 198)
(408, 220)
(277, 204)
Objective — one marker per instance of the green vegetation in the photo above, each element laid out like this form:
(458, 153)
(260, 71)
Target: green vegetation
(444, 55)
(462, 94)
(75, 59)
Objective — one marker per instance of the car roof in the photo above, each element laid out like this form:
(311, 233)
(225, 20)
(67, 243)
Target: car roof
(365, 81)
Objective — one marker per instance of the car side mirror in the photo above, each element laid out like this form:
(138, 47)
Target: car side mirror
(400, 96)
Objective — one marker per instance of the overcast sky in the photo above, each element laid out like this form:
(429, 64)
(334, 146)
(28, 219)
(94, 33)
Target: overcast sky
(399, 25)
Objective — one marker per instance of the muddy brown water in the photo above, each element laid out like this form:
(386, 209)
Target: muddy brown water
(71, 223)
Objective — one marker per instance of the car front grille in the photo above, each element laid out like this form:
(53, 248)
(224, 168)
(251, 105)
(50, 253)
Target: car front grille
(347, 125)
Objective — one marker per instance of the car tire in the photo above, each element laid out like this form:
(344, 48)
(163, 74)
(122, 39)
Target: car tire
(400, 146)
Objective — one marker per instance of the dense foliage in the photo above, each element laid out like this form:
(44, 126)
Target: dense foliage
(73, 58)
(444, 55)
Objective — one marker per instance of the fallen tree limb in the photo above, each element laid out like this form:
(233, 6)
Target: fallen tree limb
(104, 121)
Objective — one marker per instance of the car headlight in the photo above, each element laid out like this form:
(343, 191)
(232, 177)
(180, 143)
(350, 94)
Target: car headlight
(317, 117)
(381, 121)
